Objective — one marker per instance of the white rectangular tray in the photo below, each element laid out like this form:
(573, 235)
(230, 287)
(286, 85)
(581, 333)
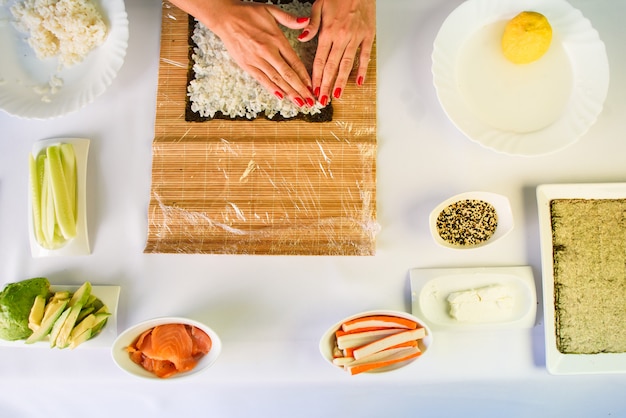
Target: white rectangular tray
(431, 287)
(557, 362)
(109, 295)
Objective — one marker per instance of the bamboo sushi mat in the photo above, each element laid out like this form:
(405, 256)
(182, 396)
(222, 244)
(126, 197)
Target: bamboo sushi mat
(259, 187)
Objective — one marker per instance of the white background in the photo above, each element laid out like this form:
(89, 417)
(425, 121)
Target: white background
(271, 311)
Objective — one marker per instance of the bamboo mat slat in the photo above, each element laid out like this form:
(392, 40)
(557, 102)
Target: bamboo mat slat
(259, 187)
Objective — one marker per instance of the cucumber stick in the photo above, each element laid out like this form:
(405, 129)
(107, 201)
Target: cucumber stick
(68, 159)
(47, 211)
(63, 203)
(53, 182)
(35, 194)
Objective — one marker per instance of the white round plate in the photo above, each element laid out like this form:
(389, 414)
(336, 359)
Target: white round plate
(122, 358)
(22, 74)
(532, 109)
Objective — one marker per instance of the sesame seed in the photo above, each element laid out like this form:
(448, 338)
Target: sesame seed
(467, 223)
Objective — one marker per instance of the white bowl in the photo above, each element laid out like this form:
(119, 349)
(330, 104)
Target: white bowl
(500, 203)
(122, 358)
(327, 341)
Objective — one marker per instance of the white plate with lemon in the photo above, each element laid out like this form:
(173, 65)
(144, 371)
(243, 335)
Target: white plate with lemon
(530, 108)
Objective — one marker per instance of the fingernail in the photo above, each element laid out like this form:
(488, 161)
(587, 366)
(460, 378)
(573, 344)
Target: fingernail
(278, 94)
(337, 93)
(299, 101)
(324, 100)
(359, 80)
(310, 102)
(316, 93)
(303, 35)
(302, 19)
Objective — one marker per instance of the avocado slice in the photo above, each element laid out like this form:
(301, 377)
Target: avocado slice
(86, 324)
(80, 338)
(63, 337)
(58, 324)
(49, 321)
(81, 296)
(62, 294)
(36, 312)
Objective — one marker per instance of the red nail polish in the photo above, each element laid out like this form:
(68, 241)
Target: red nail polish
(278, 94)
(299, 101)
(324, 100)
(316, 92)
(310, 102)
(359, 80)
(304, 34)
(302, 19)
(337, 93)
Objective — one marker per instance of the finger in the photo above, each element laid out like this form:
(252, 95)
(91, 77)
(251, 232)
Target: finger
(287, 19)
(289, 68)
(319, 63)
(330, 71)
(346, 65)
(261, 77)
(364, 60)
(315, 18)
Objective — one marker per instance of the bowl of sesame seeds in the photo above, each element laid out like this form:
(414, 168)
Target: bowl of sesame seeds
(471, 220)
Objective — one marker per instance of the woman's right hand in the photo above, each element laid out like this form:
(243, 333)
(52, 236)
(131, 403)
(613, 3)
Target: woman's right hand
(251, 34)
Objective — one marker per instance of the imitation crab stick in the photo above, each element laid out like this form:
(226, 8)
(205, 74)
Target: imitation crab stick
(366, 337)
(378, 321)
(389, 341)
(395, 356)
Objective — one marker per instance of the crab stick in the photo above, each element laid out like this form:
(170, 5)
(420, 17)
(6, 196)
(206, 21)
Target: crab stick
(378, 321)
(389, 341)
(394, 356)
(366, 337)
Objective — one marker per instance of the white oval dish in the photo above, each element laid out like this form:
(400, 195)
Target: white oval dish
(326, 342)
(122, 358)
(503, 106)
(499, 202)
(22, 74)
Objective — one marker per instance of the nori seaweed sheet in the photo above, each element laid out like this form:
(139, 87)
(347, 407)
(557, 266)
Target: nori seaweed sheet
(325, 115)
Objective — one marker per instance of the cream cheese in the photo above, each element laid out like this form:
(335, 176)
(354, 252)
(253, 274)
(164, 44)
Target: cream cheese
(491, 303)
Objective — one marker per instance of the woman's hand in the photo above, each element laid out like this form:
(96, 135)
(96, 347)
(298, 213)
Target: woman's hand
(344, 26)
(253, 39)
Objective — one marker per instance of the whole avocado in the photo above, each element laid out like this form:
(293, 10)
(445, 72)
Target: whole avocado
(16, 300)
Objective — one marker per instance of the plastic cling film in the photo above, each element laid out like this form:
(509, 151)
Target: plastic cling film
(263, 197)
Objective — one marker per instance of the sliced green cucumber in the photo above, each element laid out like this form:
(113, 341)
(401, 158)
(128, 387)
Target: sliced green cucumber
(62, 201)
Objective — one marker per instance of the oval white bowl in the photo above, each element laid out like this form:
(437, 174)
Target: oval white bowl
(326, 342)
(122, 358)
(499, 202)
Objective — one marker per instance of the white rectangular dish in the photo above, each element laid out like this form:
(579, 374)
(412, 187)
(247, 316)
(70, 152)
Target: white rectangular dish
(80, 244)
(109, 295)
(430, 289)
(557, 362)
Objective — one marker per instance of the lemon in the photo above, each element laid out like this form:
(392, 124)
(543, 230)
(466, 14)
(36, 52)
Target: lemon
(526, 37)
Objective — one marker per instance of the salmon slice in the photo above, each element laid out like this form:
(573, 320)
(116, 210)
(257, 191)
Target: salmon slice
(169, 349)
(201, 342)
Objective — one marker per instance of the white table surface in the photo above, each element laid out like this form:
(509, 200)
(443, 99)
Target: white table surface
(270, 311)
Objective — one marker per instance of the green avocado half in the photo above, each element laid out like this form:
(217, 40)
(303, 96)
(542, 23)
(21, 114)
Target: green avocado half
(16, 300)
